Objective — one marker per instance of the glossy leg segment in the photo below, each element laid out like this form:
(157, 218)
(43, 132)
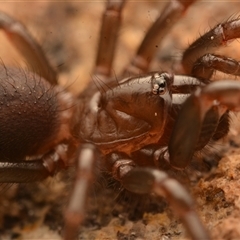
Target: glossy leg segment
(85, 172)
(146, 180)
(183, 142)
(168, 17)
(207, 64)
(23, 172)
(40, 169)
(218, 36)
(28, 47)
(108, 37)
(27, 171)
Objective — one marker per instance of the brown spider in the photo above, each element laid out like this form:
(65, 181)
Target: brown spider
(122, 170)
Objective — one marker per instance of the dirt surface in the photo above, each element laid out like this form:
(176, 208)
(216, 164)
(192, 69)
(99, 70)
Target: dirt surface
(68, 31)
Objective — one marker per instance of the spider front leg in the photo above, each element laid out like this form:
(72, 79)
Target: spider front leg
(221, 96)
(171, 13)
(200, 62)
(111, 21)
(147, 180)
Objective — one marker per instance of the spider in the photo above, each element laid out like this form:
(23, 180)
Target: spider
(55, 151)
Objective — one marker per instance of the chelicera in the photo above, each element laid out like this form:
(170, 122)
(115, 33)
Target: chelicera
(134, 127)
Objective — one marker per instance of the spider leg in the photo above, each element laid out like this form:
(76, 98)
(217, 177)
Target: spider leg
(147, 180)
(23, 171)
(85, 172)
(48, 165)
(205, 66)
(216, 37)
(108, 37)
(33, 170)
(171, 13)
(28, 47)
(223, 95)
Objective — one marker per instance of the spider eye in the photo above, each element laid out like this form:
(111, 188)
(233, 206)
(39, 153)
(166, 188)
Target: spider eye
(159, 84)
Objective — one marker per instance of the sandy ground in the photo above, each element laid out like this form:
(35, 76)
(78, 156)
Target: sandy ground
(67, 31)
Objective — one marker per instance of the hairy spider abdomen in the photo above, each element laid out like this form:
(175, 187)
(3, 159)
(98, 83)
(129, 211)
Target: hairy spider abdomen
(30, 113)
